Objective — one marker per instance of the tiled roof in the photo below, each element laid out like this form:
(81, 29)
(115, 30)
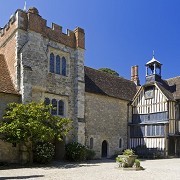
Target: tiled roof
(6, 84)
(99, 82)
(166, 92)
(174, 85)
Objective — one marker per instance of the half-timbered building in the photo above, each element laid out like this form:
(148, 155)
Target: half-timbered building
(156, 113)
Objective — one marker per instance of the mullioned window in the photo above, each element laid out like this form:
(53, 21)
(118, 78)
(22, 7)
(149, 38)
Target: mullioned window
(57, 65)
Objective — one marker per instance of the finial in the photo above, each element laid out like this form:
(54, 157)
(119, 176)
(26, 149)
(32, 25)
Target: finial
(153, 53)
(25, 6)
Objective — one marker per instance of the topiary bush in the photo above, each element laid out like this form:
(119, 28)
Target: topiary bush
(78, 152)
(44, 152)
(90, 154)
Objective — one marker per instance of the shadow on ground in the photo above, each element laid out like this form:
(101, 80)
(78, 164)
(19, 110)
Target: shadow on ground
(21, 177)
(57, 164)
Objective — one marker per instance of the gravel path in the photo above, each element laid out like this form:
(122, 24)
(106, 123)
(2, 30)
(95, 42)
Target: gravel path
(166, 169)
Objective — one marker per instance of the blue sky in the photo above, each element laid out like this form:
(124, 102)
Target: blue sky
(119, 33)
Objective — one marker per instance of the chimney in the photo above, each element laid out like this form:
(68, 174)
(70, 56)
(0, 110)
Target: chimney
(132, 73)
(135, 75)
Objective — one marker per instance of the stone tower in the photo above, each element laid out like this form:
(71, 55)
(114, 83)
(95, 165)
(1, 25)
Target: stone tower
(27, 43)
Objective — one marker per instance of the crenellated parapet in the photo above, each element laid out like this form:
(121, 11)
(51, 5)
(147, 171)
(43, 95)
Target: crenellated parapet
(32, 21)
(8, 29)
(7, 26)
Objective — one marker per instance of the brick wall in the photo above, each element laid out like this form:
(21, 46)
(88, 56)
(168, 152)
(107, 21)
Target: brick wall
(9, 52)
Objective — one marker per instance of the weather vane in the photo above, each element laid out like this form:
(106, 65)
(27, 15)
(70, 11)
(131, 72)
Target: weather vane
(25, 6)
(153, 53)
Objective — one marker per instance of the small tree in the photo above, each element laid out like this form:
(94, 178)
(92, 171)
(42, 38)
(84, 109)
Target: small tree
(108, 70)
(31, 123)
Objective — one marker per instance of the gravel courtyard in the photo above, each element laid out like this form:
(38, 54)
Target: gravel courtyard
(166, 169)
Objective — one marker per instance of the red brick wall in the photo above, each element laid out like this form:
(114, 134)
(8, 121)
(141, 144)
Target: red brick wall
(73, 39)
(8, 49)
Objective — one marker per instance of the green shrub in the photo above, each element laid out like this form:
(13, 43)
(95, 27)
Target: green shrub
(44, 152)
(90, 154)
(128, 152)
(137, 163)
(119, 160)
(76, 152)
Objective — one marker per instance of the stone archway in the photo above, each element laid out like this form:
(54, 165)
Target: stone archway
(104, 149)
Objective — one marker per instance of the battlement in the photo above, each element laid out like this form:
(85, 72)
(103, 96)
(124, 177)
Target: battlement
(8, 29)
(32, 21)
(8, 25)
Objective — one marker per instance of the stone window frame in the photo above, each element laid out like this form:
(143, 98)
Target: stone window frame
(58, 99)
(63, 57)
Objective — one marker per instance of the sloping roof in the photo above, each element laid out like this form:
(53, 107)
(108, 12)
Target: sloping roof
(153, 60)
(166, 92)
(6, 84)
(174, 85)
(99, 82)
(164, 88)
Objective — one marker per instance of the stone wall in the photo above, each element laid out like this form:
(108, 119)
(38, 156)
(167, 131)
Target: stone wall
(8, 153)
(106, 119)
(26, 43)
(6, 99)
(37, 82)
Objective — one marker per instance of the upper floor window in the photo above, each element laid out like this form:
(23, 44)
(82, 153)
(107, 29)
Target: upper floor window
(51, 66)
(63, 66)
(57, 64)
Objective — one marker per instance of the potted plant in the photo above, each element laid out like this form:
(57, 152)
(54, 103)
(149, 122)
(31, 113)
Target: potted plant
(127, 159)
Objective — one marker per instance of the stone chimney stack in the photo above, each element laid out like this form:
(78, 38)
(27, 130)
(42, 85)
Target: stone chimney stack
(135, 75)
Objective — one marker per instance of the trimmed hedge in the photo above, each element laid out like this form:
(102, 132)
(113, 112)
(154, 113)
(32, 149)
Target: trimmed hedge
(78, 152)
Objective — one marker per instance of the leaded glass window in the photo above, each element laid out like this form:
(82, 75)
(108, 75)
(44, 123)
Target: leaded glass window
(61, 108)
(51, 64)
(57, 64)
(54, 107)
(63, 66)
(47, 101)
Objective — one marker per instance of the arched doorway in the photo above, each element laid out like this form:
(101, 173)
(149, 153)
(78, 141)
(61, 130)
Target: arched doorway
(104, 149)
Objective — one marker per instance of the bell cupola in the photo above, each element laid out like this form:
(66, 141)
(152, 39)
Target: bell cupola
(153, 70)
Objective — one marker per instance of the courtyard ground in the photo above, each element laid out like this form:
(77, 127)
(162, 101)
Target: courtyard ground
(163, 169)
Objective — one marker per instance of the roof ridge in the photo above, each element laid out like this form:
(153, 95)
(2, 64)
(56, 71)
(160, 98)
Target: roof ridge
(108, 74)
(173, 78)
